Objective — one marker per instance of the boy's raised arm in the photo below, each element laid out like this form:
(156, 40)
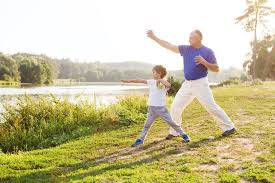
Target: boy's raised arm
(134, 81)
(165, 83)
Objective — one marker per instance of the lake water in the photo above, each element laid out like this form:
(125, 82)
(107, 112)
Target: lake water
(104, 93)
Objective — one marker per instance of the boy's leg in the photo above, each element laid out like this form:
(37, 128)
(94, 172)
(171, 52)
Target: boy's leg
(165, 115)
(151, 116)
(182, 99)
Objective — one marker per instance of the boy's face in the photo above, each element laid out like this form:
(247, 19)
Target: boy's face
(156, 75)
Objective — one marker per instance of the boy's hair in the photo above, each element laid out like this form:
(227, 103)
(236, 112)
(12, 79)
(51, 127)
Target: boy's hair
(160, 70)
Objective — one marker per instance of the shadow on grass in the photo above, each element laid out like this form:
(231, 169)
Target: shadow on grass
(109, 159)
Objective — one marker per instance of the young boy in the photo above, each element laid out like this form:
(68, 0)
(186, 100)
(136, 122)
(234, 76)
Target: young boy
(158, 88)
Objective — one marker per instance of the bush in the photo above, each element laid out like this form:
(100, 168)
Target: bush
(256, 82)
(41, 122)
(231, 81)
(175, 86)
(131, 110)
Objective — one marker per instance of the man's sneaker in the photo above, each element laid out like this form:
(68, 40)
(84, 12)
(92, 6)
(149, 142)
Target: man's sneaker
(229, 132)
(185, 138)
(169, 137)
(137, 143)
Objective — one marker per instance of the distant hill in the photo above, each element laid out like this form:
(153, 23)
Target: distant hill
(224, 74)
(127, 65)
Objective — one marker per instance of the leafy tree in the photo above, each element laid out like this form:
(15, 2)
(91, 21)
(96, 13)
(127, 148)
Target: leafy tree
(254, 15)
(265, 61)
(8, 68)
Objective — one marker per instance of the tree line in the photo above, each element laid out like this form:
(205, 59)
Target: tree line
(41, 69)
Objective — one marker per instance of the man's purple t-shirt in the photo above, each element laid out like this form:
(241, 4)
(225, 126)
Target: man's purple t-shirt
(191, 70)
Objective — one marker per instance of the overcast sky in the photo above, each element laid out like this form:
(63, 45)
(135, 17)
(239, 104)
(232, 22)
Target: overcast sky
(114, 30)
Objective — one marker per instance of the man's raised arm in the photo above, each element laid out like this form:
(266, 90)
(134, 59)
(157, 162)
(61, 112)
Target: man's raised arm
(163, 43)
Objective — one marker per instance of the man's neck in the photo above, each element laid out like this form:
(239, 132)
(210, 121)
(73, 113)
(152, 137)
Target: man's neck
(197, 45)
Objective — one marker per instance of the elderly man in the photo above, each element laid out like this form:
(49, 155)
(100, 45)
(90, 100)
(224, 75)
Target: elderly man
(197, 60)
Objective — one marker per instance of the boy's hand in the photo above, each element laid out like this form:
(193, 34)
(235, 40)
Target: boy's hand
(125, 81)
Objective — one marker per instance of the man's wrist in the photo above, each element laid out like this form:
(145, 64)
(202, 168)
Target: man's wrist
(205, 63)
(155, 38)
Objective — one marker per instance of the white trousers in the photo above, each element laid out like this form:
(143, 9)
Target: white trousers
(200, 89)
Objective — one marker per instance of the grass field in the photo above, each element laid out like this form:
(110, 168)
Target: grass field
(106, 156)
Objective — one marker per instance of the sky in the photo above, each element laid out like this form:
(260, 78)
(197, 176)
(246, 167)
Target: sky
(114, 31)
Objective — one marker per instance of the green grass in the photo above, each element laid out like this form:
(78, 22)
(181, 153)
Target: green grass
(106, 156)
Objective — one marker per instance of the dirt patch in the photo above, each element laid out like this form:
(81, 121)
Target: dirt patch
(244, 118)
(241, 149)
(207, 167)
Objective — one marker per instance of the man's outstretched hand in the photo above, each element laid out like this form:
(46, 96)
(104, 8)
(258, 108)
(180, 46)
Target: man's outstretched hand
(151, 34)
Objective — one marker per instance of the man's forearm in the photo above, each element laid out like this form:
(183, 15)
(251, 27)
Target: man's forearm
(212, 67)
(166, 44)
(162, 43)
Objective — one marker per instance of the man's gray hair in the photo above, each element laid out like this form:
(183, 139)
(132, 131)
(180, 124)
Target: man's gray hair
(198, 32)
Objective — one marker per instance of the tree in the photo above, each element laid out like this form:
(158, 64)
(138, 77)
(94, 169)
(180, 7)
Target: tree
(265, 61)
(254, 15)
(32, 71)
(8, 68)
(91, 76)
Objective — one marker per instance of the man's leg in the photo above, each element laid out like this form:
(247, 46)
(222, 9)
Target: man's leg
(182, 99)
(205, 97)
(151, 116)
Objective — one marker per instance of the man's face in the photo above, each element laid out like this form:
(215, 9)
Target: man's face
(194, 38)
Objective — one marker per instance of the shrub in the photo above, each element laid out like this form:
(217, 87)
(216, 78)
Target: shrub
(175, 86)
(231, 81)
(40, 122)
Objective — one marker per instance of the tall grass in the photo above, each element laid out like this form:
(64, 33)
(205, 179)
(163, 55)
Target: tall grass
(40, 122)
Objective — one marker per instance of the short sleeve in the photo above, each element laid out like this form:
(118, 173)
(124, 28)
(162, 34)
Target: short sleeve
(211, 58)
(182, 49)
(150, 82)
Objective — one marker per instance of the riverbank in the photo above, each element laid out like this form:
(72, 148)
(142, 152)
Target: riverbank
(105, 155)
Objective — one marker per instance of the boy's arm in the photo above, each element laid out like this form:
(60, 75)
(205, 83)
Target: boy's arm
(134, 81)
(165, 83)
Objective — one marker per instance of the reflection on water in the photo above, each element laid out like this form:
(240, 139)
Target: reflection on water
(69, 90)
(104, 94)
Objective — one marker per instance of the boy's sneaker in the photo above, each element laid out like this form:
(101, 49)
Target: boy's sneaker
(229, 132)
(169, 137)
(137, 143)
(185, 138)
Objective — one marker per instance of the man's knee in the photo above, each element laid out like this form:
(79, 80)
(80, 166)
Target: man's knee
(175, 109)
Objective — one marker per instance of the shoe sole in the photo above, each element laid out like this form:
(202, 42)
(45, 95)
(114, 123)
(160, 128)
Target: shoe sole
(231, 133)
(170, 138)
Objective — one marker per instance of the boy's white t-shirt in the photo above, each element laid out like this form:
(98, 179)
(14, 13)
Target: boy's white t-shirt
(156, 95)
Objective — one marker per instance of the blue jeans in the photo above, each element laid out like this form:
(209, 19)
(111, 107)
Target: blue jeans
(162, 112)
